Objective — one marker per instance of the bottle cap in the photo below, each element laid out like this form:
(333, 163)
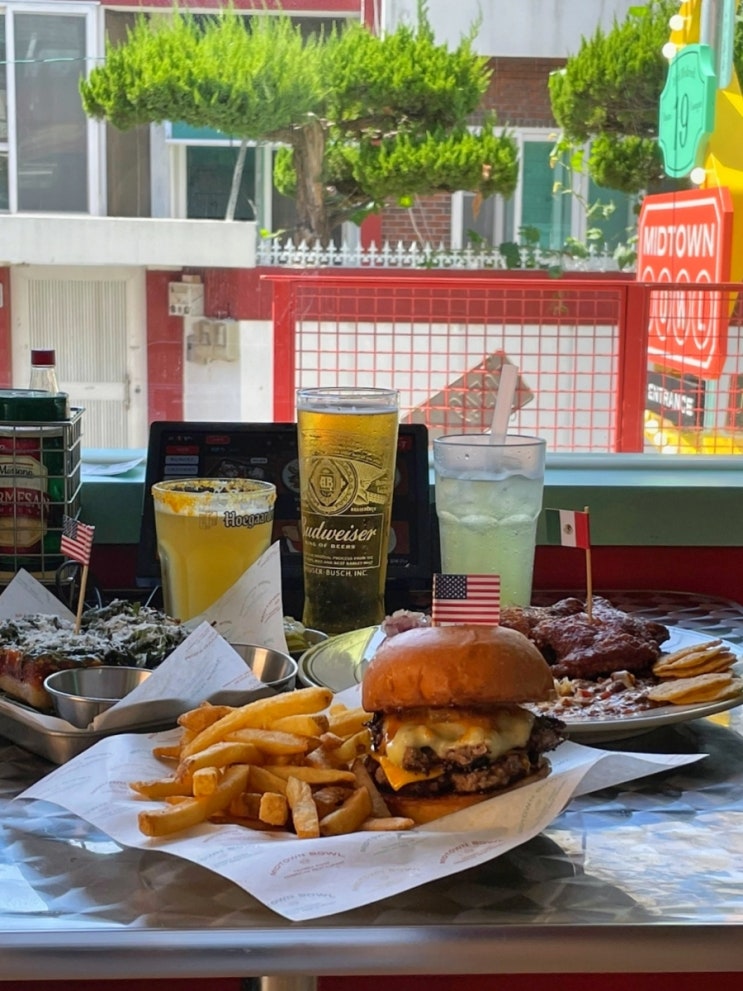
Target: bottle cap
(43, 357)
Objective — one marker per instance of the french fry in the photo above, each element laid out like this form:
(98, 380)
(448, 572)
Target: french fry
(386, 824)
(260, 714)
(292, 762)
(349, 816)
(330, 741)
(261, 779)
(345, 722)
(271, 741)
(202, 716)
(220, 755)
(352, 747)
(330, 797)
(167, 751)
(312, 725)
(274, 809)
(285, 758)
(191, 812)
(312, 775)
(162, 788)
(205, 781)
(246, 805)
(318, 758)
(304, 812)
(365, 780)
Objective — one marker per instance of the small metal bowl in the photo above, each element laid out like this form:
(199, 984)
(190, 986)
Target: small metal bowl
(80, 694)
(310, 637)
(272, 667)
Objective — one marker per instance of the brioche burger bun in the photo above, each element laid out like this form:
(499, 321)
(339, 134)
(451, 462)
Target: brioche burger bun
(448, 726)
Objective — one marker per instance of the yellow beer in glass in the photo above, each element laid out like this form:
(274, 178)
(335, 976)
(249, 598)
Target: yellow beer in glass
(347, 454)
(209, 531)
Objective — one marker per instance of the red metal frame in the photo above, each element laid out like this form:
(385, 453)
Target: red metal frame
(470, 300)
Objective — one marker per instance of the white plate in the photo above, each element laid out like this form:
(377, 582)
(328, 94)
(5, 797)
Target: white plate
(339, 664)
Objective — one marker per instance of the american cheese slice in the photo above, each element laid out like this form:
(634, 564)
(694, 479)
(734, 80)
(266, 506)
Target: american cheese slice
(398, 777)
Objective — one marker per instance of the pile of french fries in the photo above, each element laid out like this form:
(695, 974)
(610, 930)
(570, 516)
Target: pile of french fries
(292, 762)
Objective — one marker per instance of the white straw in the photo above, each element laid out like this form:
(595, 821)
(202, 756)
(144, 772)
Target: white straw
(503, 402)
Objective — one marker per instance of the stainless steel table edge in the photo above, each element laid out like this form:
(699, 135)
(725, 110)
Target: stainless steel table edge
(351, 951)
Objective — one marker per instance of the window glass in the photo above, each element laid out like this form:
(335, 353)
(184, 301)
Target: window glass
(210, 170)
(543, 208)
(52, 167)
(616, 225)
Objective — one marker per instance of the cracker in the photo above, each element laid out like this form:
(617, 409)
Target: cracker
(712, 656)
(700, 688)
(691, 648)
(714, 664)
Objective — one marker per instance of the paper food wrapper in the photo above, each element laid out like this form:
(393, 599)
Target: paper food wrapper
(304, 879)
(202, 666)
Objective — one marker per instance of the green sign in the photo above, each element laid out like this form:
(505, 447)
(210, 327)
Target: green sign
(687, 109)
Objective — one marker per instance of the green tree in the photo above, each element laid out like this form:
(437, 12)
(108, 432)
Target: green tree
(609, 93)
(362, 120)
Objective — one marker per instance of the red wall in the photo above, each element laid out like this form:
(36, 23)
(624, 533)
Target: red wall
(164, 350)
(706, 571)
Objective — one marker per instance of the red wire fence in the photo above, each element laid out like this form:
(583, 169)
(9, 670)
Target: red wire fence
(606, 365)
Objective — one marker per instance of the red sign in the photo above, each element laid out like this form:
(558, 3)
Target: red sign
(685, 238)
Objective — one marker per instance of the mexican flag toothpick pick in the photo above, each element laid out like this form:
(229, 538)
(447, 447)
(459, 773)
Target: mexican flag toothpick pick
(571, 528)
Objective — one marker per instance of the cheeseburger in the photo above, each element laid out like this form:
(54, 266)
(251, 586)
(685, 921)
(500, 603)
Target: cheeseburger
(448, 726)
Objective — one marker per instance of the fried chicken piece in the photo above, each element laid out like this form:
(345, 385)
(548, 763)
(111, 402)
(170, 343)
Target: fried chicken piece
(578, 647)
(525, 618)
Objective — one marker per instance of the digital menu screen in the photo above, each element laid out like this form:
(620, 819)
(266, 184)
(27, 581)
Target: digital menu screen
(268, 451)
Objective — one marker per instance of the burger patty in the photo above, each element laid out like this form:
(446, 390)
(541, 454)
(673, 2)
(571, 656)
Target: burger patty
(470, 769)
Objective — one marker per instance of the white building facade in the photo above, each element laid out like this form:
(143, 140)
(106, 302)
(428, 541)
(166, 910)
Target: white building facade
(89, 216)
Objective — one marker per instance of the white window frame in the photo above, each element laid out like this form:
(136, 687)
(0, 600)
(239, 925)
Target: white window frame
(176, 152)
(94, 45)
(578, 221)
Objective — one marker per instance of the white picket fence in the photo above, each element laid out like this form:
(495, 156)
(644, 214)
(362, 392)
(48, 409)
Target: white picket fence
(276, 253)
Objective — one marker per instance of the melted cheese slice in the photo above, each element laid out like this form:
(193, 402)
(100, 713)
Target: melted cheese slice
(503, 730)
(398, 776)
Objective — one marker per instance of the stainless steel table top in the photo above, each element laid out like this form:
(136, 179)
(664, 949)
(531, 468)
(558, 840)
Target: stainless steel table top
(645, 877)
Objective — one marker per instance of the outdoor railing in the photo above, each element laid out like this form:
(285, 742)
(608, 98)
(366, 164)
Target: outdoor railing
(606, 365)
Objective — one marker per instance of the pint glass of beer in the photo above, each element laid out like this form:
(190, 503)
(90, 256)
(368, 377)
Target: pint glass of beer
(209, 531)
(347, 454)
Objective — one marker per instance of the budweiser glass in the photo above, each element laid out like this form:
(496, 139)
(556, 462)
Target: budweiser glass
(488, 499)
(347, 454)
(209, 531)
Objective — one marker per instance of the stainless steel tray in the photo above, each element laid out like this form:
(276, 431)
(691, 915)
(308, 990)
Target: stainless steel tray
(20, 724)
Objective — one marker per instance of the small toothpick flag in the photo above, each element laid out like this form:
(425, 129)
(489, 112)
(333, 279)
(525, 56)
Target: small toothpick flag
(76, 543)
(571, 528)
(567, 527)
(77, 540)
(466, 599)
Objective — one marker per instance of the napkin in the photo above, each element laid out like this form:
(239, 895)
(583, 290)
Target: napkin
(251, 611)
(303, 879)
(204, 666)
